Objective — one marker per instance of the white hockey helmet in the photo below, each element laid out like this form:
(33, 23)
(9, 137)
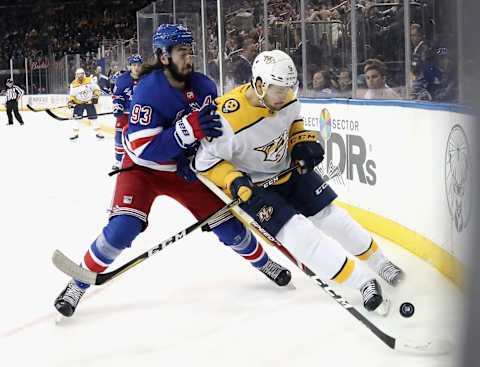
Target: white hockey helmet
(79, 71)
(274, 68)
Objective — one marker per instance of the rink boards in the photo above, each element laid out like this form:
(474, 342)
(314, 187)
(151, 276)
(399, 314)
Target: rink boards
(404, 170)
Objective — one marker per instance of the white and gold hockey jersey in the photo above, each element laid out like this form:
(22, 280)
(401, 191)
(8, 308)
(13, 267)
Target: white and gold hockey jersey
(255, 140)
(82, 92)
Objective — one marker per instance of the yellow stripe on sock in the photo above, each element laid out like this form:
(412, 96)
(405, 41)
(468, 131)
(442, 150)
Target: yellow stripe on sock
(345, 272)
(371, 250)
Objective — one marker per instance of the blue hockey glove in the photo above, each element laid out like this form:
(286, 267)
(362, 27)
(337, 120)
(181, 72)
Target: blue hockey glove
(184, 170)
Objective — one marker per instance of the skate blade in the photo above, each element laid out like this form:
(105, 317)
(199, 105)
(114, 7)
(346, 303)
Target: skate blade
(290, 286)
(60, 319)
(384, 308)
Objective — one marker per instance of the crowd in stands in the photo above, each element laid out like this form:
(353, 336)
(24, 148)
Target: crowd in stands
(64, 27)
(380, 40)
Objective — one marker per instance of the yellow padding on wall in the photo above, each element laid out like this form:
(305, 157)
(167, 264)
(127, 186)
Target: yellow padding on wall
(421, 246)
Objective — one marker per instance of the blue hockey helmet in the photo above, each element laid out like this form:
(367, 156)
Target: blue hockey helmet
(170, 35)
(135, 59)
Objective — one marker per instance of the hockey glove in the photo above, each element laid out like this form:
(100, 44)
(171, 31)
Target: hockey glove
(71, 104)
(197, 125)
(240, 185)
(309, 154)
(118, 109)
(94, 100)
(184, 170)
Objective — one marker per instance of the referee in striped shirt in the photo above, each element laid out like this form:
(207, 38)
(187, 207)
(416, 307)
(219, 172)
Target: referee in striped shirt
(13, 94)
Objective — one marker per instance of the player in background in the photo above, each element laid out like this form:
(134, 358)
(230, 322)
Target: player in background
(113, 74)
(84, 94)
(263, 134)
(102, 80)
(171, 112)
(122, 96)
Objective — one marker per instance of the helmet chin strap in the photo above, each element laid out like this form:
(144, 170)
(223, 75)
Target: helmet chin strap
(261, 96)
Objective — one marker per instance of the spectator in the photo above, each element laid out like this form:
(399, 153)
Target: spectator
(447, 88)
(322, 84)
(375, 76)
(344, 84)
(419, 89)
(242, 69)
(421, 53)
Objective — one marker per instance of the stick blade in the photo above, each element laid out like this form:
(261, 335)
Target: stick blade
(432, 347)
(67, 266)
(51, 114)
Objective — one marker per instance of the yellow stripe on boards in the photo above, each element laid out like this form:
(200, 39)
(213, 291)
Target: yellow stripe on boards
(417, 244)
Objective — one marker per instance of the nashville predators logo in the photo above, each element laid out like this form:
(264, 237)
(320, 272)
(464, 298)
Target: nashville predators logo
(276, 149)
(265, 214)
(268, 59)
(230, 105)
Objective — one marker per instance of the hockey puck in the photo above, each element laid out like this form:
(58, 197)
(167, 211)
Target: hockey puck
(407, 309)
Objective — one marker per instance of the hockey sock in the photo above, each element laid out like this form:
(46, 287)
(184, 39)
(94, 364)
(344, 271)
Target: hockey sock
(373, 255)
(251, 250)
(320, 253)
(338, 224)
(233, 234)
(119, 150)
(116, 236)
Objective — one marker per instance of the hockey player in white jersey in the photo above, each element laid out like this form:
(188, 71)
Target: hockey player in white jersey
(84, 94)
(265, 134)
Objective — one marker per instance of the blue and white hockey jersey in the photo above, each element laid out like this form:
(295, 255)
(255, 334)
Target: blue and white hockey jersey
(122, 94)
(149, 140)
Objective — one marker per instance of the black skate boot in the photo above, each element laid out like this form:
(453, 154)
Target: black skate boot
(391, 273)
(276, 272)
(68, 299)
(371, 294)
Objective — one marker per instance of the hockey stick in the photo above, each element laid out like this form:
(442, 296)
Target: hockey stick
(69, 267)
(56, 117)
(433, 347)
(44, 109)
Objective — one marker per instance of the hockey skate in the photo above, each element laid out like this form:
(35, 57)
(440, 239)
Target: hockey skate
(74, 137)
(371, 294)
(276, 272)
(68, 299)
(99, 135)
(391, 273)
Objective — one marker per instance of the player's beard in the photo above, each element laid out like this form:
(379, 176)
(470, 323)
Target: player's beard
(176, 73)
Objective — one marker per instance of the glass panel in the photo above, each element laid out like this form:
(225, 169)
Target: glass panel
(434, 50)
(328, 49)
(243, 30)
(284, 31)
(184, 12)
(212, 41)
(380, 50)
(18, 64)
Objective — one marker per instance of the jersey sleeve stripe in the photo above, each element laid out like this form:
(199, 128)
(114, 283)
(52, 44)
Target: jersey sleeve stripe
(144, 133)
(207, 168)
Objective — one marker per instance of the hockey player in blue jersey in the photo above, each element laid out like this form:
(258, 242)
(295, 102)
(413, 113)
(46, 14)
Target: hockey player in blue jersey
(122, 96)
(171, 112)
